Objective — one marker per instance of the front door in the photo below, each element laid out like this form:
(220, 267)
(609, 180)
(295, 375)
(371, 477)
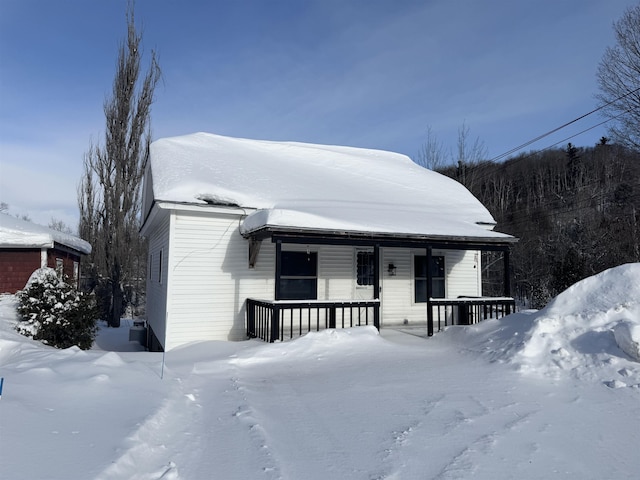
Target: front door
(364, 274)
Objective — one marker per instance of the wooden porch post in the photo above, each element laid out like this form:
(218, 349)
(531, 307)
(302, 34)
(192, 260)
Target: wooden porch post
(429, 293)
(507, 277)
(376, 285)
(376, 271)
(278, 268)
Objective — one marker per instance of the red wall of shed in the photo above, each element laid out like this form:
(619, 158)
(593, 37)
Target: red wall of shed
(16, 266)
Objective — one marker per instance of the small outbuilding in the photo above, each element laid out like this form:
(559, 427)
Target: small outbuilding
(26, 246)
(252, 238)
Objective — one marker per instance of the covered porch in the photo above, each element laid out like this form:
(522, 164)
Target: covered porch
(283, 318)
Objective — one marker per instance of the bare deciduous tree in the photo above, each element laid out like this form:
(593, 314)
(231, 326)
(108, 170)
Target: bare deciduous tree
(109, 192)
(59, 225)
(469, 154)
(432, 154)
(619, 79)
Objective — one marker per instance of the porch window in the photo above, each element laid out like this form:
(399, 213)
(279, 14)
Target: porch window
(299, 276)
(437, 277)
(365, 268)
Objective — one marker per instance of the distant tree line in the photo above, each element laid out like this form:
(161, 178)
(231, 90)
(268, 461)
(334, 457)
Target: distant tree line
(576, 212)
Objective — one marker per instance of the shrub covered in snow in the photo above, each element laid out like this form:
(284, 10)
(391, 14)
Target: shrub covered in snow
(55, 312)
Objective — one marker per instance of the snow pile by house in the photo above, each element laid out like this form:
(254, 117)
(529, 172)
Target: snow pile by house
(288, 184)
(348, 404)
(15, 232)
(590, 331)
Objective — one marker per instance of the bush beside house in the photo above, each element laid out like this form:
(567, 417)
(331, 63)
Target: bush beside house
(55, 312)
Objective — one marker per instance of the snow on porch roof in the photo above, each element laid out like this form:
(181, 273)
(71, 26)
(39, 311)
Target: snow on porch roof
(316, 187)
(16, 233)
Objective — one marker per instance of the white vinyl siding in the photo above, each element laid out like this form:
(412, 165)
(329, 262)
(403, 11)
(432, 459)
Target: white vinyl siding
(211, 278)
(205, 277)
(156, 291)
(335, 270)
(398, 301)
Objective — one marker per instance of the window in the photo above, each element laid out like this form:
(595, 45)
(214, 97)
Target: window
(365, 267)
(298, 276)
(160, 267)
(59, 265)
(76, 270)
(437, 277)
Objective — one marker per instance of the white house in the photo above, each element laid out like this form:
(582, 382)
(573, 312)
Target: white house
(270, 239)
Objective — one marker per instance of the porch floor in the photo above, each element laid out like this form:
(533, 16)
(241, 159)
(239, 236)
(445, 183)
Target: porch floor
(414, 330)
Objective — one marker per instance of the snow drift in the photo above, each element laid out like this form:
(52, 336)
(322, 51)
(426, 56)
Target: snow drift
(587, 331)
(524, 397)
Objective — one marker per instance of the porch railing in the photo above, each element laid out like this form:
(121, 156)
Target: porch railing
(272, 320)
(470, 310)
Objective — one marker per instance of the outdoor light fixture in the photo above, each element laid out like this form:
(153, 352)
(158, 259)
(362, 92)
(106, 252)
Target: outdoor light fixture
(392, 270)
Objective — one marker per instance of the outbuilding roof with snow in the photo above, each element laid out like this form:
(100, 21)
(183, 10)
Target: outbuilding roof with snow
(17, 233)
(289, 185)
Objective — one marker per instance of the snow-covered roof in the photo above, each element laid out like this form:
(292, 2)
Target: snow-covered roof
(16, 233)
(315, 187)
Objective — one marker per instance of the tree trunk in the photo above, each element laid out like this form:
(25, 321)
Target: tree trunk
(117, 297)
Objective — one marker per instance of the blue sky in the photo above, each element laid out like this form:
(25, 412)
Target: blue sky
(368, 73)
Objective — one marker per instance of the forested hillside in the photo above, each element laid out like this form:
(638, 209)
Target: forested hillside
(576, 212)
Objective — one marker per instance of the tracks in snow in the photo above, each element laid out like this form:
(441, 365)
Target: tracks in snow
(184, 440)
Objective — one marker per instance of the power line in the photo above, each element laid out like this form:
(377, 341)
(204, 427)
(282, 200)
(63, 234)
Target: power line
(480, 175)
(540, 137)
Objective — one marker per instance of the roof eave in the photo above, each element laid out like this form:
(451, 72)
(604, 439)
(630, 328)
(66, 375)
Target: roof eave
(364, 238)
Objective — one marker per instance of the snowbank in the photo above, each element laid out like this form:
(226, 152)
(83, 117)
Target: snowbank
(627, 335)
(348, 404)
(590, 331)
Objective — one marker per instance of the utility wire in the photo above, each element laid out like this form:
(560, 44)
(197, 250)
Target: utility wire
(540, 137)
(480, 175)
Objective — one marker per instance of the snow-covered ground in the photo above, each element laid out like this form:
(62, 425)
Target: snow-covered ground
(546, 394)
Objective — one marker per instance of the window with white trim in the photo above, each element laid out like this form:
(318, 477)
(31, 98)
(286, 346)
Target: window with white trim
(298, 276)
(437, 277)
(365, 267)
(59, 265)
